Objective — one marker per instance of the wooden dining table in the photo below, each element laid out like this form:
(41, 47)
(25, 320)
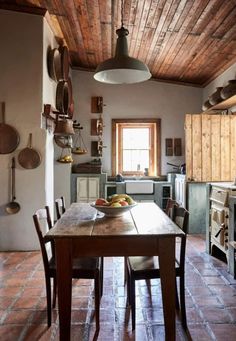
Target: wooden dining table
(145, 230)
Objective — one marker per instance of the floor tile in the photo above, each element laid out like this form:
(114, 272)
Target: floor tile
(210, 302)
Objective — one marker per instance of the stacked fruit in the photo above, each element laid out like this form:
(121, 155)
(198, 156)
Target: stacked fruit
(116, 200)
(66, 159)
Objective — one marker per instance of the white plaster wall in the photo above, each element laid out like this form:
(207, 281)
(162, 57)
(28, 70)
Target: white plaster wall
(49, 95)
(21, 87)
(150, 99)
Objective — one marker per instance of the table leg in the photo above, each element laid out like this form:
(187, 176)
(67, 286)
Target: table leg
(64, 282)
(167, 274)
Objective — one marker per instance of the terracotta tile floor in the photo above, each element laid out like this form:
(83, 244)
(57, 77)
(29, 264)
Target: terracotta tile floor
(210, 297)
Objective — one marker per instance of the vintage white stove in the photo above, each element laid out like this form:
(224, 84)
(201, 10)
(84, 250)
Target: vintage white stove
(221, 217)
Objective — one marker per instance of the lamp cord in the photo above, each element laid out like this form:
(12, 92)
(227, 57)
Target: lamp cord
(122, 13)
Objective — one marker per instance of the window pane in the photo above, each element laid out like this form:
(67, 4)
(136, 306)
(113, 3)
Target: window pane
(135, 160)
(135, 138)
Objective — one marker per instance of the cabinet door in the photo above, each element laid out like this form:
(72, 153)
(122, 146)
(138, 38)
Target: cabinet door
(82, 189)
(180, 191)
(93, 188)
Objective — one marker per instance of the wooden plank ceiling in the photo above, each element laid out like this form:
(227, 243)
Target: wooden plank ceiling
(187, 41)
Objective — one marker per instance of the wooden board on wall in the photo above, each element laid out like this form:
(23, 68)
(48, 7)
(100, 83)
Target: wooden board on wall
(188, 145)
(215, 147)
(206, 147)
(225, 150)
(210, 147)
(233, 147)
(196, 147)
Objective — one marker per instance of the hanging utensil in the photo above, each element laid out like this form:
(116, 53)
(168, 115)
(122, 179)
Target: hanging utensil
(79, 145)
(29, 158)
(9, 137)
(63, 97)
(13, 206)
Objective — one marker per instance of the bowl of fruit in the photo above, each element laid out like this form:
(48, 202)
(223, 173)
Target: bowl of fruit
(114, 206)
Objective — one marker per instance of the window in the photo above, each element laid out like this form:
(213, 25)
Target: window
(136, 146)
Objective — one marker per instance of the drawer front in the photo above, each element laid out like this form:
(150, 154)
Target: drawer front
(220, 196)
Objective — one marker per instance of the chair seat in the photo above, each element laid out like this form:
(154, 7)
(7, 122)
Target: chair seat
(142, 263)
(80, 264)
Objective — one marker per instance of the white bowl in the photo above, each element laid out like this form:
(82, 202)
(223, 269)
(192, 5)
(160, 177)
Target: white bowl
(113, 211)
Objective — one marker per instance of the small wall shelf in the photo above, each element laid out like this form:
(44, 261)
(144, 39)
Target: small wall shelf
(224, 105)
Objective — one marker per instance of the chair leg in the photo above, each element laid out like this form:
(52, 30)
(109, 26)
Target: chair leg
(101, 276)
(97, 288)
(182, 302)
(176, 295)
(128, 286)
(125, 270)
(54, 292)
(132, 300)
(48, 293)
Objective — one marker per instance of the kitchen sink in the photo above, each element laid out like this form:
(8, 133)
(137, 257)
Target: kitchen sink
(139, 186)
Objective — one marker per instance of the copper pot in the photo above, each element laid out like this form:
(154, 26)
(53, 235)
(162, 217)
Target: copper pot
(64, 127)
(216, 98)
(229, 90)
(206, 105)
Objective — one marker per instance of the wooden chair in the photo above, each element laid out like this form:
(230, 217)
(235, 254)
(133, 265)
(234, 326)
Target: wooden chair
(169, 206)
(84, 267)
(148, 268)
(60, 207)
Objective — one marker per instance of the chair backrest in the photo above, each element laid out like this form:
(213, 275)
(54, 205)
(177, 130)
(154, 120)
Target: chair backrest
(42, 220)
(169, 206)
(60, 207)
(180, 217)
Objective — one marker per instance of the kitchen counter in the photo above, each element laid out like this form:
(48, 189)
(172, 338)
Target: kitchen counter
(227, 185)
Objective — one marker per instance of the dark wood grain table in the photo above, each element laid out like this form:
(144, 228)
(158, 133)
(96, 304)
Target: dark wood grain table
(144, 231)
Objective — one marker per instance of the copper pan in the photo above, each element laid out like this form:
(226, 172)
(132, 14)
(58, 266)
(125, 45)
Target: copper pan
(54, 64)
(65, 64)
(29, 158)
(63, 96)
(71, 101)
(9, 137)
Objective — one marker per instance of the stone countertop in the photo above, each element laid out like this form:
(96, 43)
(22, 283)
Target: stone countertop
(228, 185)
(154, 178)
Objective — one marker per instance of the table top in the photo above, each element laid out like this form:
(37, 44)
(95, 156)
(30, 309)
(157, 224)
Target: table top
(145, 219)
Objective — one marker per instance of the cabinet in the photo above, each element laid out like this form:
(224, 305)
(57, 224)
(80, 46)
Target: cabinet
(163, 191)
(210, 147)
(180, 189)
(87, 186)
(220, 218)
(192, 196)
(87, 189)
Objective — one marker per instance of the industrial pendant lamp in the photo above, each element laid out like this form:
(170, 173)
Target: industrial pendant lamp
(122, 69)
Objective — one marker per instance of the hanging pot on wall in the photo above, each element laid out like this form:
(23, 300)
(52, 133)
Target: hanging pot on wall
(63, 97)
(64, 127)
(206, 105)
(13, 206)
(29, 158)
(65, 65)
(216, 98)
(54, 64)
(58, 63)
(229, 90)
(9, 137)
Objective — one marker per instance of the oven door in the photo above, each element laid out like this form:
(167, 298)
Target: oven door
(218, 225)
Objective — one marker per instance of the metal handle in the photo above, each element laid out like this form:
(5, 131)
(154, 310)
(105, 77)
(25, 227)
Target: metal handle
(13, 179)
(3, 111)
(30, 141)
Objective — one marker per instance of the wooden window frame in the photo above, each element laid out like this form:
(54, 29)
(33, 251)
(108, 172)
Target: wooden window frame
(155, 143)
